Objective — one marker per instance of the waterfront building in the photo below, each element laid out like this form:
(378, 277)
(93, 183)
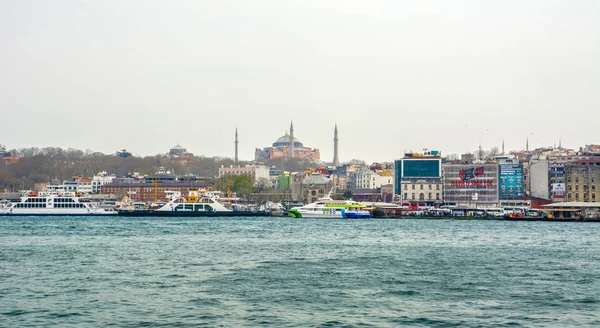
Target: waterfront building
(421, 191)
(100, 179)
(583, 180)
(151, 191)
(546, 173)
(418, 177)
(474, 185)
(539, 180)
(574, 210)
(511, 181)
(84, 185)
(365, 178)
(315, 186)
(287, 146)
(255, 172)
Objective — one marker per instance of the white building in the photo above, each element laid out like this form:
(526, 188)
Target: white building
(364, 178)
(421, 190)
(100, 180)
(84, 185)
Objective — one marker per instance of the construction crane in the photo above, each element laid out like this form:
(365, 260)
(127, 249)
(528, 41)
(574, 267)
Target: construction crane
(229, 191)
(155, 184)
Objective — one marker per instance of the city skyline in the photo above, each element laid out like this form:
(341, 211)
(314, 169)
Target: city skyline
(394, 76)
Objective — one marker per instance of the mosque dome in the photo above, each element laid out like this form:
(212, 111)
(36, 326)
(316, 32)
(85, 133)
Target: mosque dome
(284, 141)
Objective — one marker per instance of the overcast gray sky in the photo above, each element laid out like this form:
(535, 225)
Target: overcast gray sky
(394, 75)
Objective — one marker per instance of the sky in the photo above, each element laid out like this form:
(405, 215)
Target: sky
(394, 76)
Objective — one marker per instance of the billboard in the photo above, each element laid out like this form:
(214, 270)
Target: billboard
(471, 184)
(558, 187)
(511, 184)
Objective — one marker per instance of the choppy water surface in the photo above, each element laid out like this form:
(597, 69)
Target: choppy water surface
(97, 272)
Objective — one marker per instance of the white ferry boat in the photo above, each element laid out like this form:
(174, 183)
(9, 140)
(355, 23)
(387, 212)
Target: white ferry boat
(53, 203)
(327, 208)
(195, 205)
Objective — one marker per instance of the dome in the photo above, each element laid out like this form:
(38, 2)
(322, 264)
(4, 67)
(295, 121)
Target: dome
(178, 147)
(284, 141)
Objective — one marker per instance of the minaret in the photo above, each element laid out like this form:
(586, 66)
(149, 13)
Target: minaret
(236, 146)
(527, 144)
(336, 159)
(502, 146)
(560, 142)
(291, 152)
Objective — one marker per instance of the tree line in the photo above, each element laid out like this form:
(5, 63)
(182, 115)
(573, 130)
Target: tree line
(54, 164)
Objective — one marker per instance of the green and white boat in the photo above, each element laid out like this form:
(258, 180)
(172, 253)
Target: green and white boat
(327, 208)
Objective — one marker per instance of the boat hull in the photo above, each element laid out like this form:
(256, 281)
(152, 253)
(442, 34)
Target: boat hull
(58, 214)
(153, 213)
(329, 214)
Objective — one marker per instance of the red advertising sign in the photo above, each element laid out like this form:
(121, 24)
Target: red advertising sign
(487, 183)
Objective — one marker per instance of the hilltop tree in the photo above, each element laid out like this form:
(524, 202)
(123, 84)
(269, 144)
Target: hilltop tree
(240, 184)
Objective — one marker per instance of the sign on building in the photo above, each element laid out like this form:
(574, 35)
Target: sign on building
(469, 184)
(511, 182)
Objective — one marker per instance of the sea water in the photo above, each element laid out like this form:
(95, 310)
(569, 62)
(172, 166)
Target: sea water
(282, 272)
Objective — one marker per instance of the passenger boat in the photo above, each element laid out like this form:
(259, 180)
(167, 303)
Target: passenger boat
(53, 203)
(327, 208)
(192, 206)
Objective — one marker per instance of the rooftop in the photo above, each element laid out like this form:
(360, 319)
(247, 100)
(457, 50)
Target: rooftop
(573, 204)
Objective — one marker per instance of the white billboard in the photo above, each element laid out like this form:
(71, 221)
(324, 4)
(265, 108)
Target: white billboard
(558, 187)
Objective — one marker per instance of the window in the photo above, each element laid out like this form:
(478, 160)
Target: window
(413, 195)
(421, 187)
(576, 187)
(413, 187)
(429, 187)
(405, 187)
(405, 195)
(577, 196)
(429, 196)
(437, 196)
(437, 187)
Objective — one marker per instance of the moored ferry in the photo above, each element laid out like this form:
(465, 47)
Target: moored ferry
(52, 203)
(327, 208)
(195, 205)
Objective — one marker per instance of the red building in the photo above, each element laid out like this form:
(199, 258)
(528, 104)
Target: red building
(147, 192)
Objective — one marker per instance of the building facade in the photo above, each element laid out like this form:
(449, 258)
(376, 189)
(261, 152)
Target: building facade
(511, 181)
(148, 192)
(583, 181)
(419, 191)
(315, 186)
(473, 185)
(416, 171)
(255, 172)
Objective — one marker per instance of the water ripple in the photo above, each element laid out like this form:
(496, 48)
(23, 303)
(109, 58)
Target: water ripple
(275, 272)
